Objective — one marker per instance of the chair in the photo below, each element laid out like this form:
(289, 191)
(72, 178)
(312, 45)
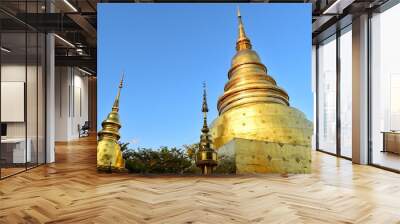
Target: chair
(84, 130)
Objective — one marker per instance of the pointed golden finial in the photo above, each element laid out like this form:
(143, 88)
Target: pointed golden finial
(116, 101)
(242, 34)
(243, 41)
(204, 109)
(206, 157)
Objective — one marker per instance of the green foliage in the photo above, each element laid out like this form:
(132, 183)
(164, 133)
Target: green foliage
(191, 150)
(193, 169)
(162, 160)
(226, 165)
(170, 160)
(124, 146)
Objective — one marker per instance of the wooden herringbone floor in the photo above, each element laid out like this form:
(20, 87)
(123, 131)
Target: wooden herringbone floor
(71, 191)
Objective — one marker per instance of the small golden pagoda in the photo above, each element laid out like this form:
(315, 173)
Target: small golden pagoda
(206, 158)
(263, 131)
(109, 155)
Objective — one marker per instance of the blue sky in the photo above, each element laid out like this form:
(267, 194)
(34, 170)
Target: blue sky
(168, 50)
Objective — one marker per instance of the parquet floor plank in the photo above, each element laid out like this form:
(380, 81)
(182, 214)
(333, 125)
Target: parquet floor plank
(72, 191)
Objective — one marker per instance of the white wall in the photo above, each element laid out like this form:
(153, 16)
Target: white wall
(16, 72)
(33, 126)
(71, 102)
(61, 103)
(13, 101)
(12, 73)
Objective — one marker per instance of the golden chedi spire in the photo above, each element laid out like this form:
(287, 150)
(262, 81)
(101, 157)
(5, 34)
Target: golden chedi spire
(252, 106)
(109, 155)
(116, 101)
(206, 158)
(243, 42)
(248, 79)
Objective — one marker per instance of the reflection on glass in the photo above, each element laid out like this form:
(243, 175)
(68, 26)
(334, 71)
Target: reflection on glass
(386, 89)
(31, 86)
(346, 92)
(13, 86)
(31, 101)
(327, 95)
(41, 99)
(22, 91)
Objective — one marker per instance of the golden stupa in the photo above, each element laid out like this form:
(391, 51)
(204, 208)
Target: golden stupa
(255, 122)
(109, 155)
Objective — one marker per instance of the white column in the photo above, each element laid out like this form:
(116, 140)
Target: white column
(50, 92)
(50, 101)
(314, 91)
(360, 90)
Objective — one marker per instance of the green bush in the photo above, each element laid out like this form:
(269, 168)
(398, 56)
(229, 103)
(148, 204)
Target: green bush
(170, 160)
(124, 146)
(193, 169)
(226, 165)
(191, 150)
(162, 160)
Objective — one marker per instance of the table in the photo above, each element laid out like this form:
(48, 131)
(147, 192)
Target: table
(19, 155)
(391, 141)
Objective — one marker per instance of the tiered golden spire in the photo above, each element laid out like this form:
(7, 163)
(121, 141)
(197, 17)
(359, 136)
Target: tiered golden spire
(204, 109)
(116, 101)
(243, 42)
(248, 79)
(256, 126)
(206, 157)
(109, 155)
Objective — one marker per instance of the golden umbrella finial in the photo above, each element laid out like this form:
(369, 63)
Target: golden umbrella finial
(116, 101)
(243, 41)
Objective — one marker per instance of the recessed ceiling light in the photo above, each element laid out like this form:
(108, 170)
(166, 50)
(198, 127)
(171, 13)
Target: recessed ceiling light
(5, 50)
(70, 5)
(84, 71)
(64, 40)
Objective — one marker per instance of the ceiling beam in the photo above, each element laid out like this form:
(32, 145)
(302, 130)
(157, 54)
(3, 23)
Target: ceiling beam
(81, 61)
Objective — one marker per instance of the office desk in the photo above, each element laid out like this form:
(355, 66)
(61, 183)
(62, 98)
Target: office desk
(391, 141)
(13, 150)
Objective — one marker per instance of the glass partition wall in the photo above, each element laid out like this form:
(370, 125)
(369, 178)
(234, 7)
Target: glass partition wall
(22, 98)
(385, 89)
(334, 89)
(13, 88)
(327, 95)
(345, 91)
